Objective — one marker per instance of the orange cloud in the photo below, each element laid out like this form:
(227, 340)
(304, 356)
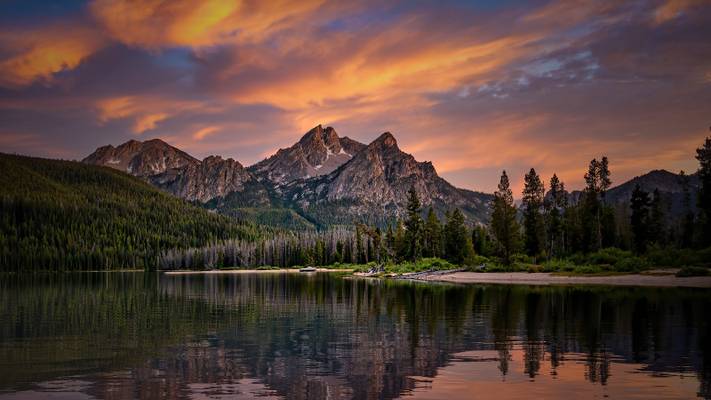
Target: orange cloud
(148, 122)
(671, 9)
(146, 111)
(204, 132)
(40, 53)
(164, 23)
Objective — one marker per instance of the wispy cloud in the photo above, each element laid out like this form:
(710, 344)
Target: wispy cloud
(475, 90)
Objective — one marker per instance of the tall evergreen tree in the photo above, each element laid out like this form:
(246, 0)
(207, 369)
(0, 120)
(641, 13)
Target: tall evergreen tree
(703, 155)
(503, 219)
(597, 181)
(401, 247)
(414, 226)
(639, 221)
(657, 228)
(555, 207)
(360, 251)
(433, 235)
(687, 221)
(480, 241)
(458, 246)
(533, 192)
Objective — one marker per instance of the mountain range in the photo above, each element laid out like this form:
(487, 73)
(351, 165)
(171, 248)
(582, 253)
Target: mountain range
(324, 180)
(321, 180)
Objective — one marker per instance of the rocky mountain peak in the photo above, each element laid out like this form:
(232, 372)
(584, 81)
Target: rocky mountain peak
(375, 182)
(319, 152)
(386, 140)
(141, 158)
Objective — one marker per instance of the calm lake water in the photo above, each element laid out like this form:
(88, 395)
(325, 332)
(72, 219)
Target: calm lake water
(317, 336)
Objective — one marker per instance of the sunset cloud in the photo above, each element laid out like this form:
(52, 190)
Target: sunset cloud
(156, 24)
(37, 54)
(474, 88)
(204, 132)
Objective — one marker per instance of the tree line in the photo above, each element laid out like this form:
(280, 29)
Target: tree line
(61, 215)
(547, 225)
(552, 226)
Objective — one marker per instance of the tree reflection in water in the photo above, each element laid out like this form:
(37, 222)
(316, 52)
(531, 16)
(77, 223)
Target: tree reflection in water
(322, 336)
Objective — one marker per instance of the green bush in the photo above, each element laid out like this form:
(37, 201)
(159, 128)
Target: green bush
(692, 271)
(610, 255)
(477, 260)
(424, 264)
(522, 258)
(631, 264)
(556, 265)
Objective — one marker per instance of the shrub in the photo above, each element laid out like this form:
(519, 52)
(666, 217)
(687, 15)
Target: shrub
(521, 258)
(477, 260)
(692, 271)
(631, 264)
(534, 268)
(555, 265)
(610, 255)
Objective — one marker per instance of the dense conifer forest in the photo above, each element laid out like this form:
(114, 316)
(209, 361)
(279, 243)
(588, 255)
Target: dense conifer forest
(62, 215)
(549, 231)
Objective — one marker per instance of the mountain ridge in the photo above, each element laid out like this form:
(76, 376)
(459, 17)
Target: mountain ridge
(324, 179)
(227, 186)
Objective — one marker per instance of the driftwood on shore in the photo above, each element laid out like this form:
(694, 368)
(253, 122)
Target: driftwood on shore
(422, 275)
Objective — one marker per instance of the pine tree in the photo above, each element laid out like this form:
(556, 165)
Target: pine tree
(687, 222)
(555, 208)
(656, 219)
(360, 252)
(390, 240)
(458, 247)
(639, 221)
(433, 235)
(400, 242)
(503, 219)
(413, 226)
(597, 181)
(703, 155)
(480, 241)
(533, 192)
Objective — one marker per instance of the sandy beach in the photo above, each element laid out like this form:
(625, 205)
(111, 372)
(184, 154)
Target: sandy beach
(525, 278)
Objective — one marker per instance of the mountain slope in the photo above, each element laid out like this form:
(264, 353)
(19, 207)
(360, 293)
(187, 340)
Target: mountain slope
(668, 184)
(141, 159)
(373, 187)
(61, 215)
(321, 180)
(179, 173)
(664, 181)
(319, 152)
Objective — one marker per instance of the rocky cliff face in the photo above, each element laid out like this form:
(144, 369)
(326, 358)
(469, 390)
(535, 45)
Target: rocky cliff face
(319, 152)
(376, 181)
(212, 178)
(327, 179)
(177, 172)
(141, 159)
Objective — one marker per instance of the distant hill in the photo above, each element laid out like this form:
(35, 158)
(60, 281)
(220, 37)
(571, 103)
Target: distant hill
(64, 215)
(668, 184)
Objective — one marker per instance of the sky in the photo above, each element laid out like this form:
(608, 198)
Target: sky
(476, 87)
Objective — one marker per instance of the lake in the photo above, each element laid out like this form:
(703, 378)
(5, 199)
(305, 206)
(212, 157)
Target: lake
(318, 336)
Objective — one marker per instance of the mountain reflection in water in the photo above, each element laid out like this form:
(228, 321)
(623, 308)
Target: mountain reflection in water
(298, 336)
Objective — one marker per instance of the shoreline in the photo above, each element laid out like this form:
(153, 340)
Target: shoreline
(546, 278)
(252, 271)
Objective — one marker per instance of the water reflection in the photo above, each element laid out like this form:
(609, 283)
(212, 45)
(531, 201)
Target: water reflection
(303, 336)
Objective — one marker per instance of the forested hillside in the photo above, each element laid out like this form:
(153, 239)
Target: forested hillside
(62, 215)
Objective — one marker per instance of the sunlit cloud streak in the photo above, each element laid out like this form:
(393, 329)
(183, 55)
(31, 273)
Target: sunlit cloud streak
(474, 88)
